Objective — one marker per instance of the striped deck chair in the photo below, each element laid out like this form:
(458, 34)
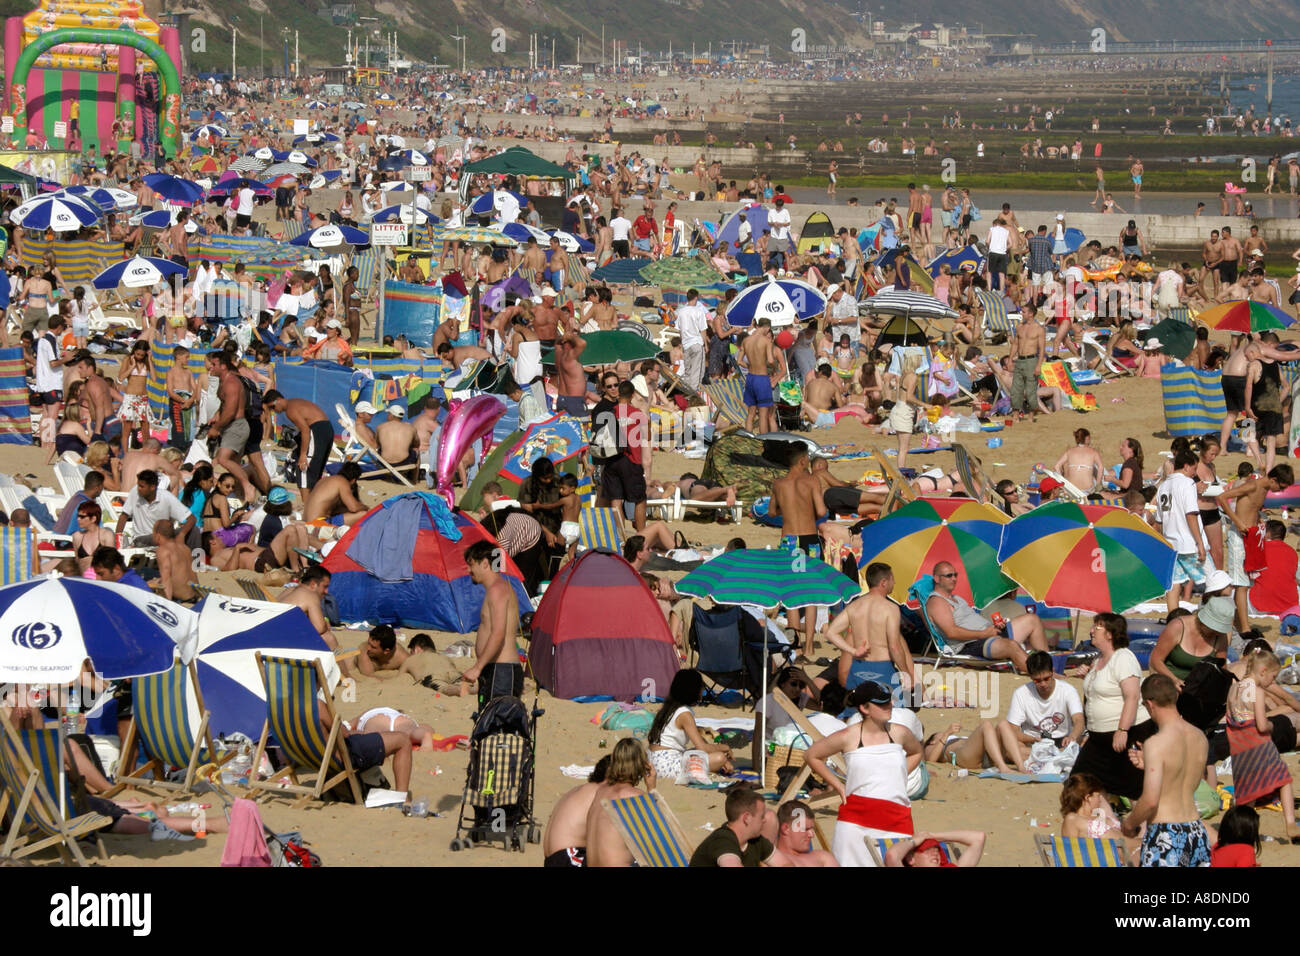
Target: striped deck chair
(649, 830)
(365, 261)
(32, 784)
(291, 715)
(293, 228)
(879, 848)
(1193, 400)
(919, 593)
(586, 491)
(728, 399)
(1181, 313)
(995, 314)
(18, 555)
(254, 590)
(1059, 851)
(600, 528)
(163, 722)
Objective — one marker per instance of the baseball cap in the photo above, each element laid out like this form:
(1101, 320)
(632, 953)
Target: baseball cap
(277, 496)
(870, 692)
(365, 408)
(396, 411)
(549, 293)
(333, 324)
(1049, 484)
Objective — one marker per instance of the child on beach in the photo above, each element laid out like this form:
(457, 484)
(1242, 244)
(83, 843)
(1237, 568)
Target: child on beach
(1238, 842)
(570, 511)
(1258, 771)
(1085, 814)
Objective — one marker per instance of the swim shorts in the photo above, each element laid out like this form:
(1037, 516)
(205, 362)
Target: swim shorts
(567, 856)
(809, 544)
(1234, 393)
(840, 500)
(1176, 844)
(366, 750)
(1188, 568)
(234, 437)
(758, 391)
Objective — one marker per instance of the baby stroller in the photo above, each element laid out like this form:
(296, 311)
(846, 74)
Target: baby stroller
(498, 799)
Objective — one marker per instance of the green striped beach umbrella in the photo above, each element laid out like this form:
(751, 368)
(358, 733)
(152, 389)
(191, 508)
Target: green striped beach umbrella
(769, 579)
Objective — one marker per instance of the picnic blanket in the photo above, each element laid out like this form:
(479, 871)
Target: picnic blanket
(1057, 375)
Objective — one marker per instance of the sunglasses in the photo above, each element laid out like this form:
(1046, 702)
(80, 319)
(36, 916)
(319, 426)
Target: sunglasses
(952, 575)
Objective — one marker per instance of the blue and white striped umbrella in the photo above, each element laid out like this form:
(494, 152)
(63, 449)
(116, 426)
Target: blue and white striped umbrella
(331, 237)
(783, 301)
(59, 213)
(405, 212)
(521, 232)
(138, 272)
(213, 132)
(323, 179)
(230, 632)
(316, 105)
(50, 625)
(498, 201)
(266, 154)
(180, 192)
(571, 243)
(107, 198)
(315, 139)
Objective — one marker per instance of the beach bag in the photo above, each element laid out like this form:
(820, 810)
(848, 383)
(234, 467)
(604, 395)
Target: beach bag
(695, 768)
(1204, 698)
(288, 849)
(603, 444)
(975, 214)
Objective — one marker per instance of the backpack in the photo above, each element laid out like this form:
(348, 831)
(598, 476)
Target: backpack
(252, 399)
(1204, 698)
(603, 442)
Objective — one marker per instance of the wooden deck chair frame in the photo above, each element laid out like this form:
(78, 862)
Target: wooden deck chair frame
(724, 408)
(1089, 341)
(350, 427)
(834, 761)
(133, 778)
(670, 822)
(23, 791)
(334, 746)
(253, 590)
(900, 489)
(1107, 852)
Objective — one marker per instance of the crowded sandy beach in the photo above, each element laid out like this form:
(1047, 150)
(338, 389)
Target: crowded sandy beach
(619, 467)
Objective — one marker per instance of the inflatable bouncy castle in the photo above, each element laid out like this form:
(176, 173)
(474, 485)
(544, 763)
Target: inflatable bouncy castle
(82, 61)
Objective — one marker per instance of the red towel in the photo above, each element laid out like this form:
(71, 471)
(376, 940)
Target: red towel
(246, 841)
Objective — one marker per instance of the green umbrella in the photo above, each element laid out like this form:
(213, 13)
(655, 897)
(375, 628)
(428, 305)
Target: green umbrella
(769, 579)
(1176, 338)
(606, 348)
(681, 272)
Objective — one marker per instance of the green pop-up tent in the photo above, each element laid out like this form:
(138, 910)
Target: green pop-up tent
(516, 161)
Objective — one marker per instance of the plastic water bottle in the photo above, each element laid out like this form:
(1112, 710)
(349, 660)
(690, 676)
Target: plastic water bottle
(69, 720)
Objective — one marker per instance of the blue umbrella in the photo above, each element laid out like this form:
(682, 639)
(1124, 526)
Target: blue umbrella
(967, 259)
(181, 192)
(315, 138)
(1074, 238)
(225, 187)
(105, 198)
(230, 632)
(521, 232)
(405, 212)
(331, 237)
(214, 132)
(572, 243)
(621, 271)
(316, 105)
(155, 219)
(52, 624)
(489, 203)
(61, 213)
(784, 301)
(138, 272)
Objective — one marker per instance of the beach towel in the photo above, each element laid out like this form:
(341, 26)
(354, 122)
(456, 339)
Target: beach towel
(1057, 375)
(1192, 399)
(246, 841)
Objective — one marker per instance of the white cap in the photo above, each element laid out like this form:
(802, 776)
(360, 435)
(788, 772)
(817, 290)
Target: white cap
(549, 293)
(365, 408)
(1060, 217)
(333, 324)
(395, 411)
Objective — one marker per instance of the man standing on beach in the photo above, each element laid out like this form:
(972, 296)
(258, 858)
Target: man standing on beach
(913, 213)
(1027, 352)
(1211, 256)
(1179, 518)
(1243, 518)
(496, 667)
(1135, 173)
(1173, 762)
(760, 356)
(692, 321)
(797, 500)
(1230, 264)
(778, 221)
(572, 391)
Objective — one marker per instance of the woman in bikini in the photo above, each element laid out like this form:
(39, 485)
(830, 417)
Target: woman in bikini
(73, 435)
(979, 751)
(1208, 487)
(90, 534)
(1123, 346)
(133, 379)
(1081, 464)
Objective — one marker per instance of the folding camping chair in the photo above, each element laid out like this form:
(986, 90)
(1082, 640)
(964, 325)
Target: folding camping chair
(161, 724)
(995, 318)
(879, 848)
(724, 639)
(944, 654)
(291, 689)
(649, 830)
(1071, 852)
(680, 504)
(728, 399)
(600, 528)
(31, 766)
(899, 488)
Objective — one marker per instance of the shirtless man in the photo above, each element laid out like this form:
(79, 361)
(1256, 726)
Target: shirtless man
(1028, 350)
(792, 834)
(175, 563)
(99, 395)
(628, 767)
(797, 501)
(147, 458)
(1233, 381)
(181, 398)
(1211, 256)
(564, 841)
(427, 667)
(458, 355)
(312, 586)
(875, 639)
(1261, 291)
(1243, 517)
(1255, 246)
(761, 357)
(229, 425)
(399, 442)
(426, 422)
(1081, 464)
(841, 497)
(363, 413)
(1230, 265)
(381, 652)
(822, 397)
(315, 434)
(496, 667)
(534, 257)
(1172, 762)
(445, 334)
(335, 498)
(571, 389)
(547, 320)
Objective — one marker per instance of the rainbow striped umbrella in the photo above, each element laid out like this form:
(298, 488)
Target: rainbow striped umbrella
(1244, 315)
(1088, 557)
(924, 532)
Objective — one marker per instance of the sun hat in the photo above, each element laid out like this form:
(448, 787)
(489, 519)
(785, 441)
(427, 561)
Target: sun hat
(1216, 580)
(1217, 614)
(1153, 343)
(1060, 217)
